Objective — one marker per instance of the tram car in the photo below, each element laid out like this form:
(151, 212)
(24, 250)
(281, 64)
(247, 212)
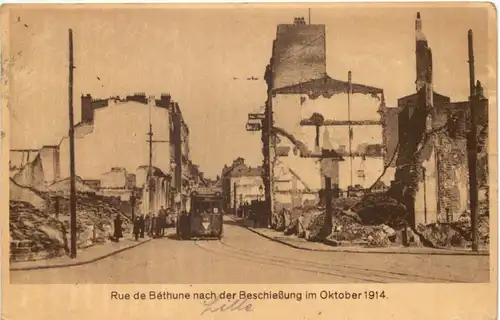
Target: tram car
(203, 217)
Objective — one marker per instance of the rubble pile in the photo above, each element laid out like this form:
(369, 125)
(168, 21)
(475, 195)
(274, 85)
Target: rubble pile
(378, 236)
(347, 228)
(44, 232)
(464, 227)
(440, 235)
(316, 230)
(278, 220)
(93, 212)
(347, 225)
(292, 228)
(49, 231)
(376, 209)
(345, 203)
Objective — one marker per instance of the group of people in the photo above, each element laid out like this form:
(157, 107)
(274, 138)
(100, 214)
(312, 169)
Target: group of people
(152, 225)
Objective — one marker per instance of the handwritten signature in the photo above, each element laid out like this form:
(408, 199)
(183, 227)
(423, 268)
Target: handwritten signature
(218, 305)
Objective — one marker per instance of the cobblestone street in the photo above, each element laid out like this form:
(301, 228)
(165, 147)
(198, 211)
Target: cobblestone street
(245, 257)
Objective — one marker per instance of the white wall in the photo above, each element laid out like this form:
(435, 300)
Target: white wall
(50, 163)
(114, 179)
(247, 187)
(119, 139)
(288, 112)
(371, 167)
(425, 200)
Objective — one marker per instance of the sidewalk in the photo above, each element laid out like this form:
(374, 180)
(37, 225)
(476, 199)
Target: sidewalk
(302, 244)
(84, 256)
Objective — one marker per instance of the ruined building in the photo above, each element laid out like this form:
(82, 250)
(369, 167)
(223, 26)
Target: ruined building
(351, 120)
(112, 152)
(431, 176)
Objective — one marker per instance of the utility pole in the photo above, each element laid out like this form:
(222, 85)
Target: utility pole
(309, 15)
(270, 121)
(349, 92)
(150, 169)
(472, 146)
(72, 150)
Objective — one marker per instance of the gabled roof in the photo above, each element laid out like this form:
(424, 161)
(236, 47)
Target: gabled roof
(237, 161)
(248, 172)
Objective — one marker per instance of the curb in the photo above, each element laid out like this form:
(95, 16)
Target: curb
(365, 250)
(74, 264)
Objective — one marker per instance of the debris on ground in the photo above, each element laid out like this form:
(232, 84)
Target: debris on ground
(375, 209)
(47, 231)
(441, 235)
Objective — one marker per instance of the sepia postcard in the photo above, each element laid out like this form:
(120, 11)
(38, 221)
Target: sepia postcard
(249, 161)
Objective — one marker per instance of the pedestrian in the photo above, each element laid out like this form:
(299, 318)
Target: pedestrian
(159, 223)
(118, 228)
(152, 228)
(185, 223)
(142, 225)
(137, 227)
(253, 218)
(162, 219)
(147, 224)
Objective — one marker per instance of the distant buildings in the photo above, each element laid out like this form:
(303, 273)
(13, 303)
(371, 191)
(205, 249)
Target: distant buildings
(111, 146)
(241, 184)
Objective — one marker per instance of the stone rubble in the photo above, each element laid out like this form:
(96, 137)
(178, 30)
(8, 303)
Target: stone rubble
(48, 233)
(375, 221)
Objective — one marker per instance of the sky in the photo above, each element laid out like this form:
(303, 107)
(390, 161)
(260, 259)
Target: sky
(194, 54)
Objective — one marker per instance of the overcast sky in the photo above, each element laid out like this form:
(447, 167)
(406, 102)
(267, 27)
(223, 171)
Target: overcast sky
(194, 54)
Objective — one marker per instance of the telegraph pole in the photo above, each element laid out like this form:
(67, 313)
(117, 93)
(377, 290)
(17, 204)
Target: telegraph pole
(472, 149)
(72, 150)
(269, 126)
(349, 93)
(150, 168)
(150, 141)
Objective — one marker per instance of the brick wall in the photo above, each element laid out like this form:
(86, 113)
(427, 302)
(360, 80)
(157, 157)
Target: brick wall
(25, 250)
(452, 162)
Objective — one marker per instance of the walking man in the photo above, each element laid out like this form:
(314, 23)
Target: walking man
(152, 228)
(147, 225)
(142, 225)
(118, 228)
(162, 217)
(137, 227)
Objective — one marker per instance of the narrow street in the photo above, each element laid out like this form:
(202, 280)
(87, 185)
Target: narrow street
(244, 257)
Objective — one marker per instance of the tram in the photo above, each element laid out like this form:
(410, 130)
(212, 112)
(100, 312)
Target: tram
(203, 217)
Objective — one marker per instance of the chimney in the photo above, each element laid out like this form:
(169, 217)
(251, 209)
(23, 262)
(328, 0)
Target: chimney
(87, 110)
(423, 58)
(418, 23)
(165, 100)
(479, 90)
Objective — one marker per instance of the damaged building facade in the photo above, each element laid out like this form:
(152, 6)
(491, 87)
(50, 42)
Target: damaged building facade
(112, 152)
(432, 174)
(312, 112)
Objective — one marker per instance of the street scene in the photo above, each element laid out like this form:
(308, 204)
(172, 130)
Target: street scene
(268, 146)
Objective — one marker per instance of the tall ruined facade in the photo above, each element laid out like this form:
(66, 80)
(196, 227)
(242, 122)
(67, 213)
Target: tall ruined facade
(416, 157)
(431, 177)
